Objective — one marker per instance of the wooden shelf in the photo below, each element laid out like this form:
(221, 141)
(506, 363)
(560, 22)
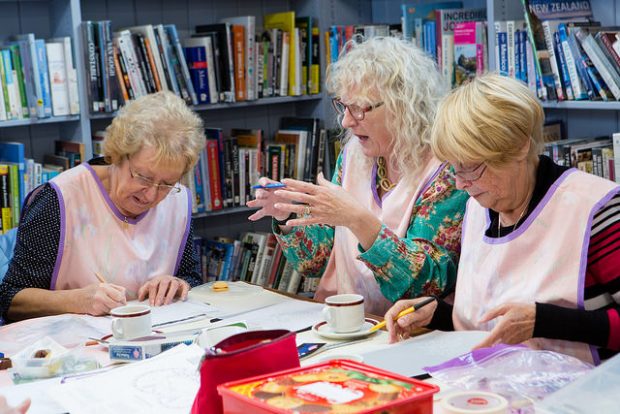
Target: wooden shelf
(37, 121)
(583, 105)
(276, 100)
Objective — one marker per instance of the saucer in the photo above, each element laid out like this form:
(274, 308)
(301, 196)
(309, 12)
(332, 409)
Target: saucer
(322, 329)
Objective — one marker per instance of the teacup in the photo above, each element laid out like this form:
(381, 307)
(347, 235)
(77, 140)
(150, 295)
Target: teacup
(131, 321)
(344, 313)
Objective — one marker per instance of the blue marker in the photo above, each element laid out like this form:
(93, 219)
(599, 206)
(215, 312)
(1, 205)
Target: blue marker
(269, 186)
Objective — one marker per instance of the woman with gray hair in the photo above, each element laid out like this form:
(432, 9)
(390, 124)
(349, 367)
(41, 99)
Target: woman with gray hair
(540, 253)
(112, 229)
(388, 225)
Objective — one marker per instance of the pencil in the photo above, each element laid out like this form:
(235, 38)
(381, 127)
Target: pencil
(405, 312)
(100, 278)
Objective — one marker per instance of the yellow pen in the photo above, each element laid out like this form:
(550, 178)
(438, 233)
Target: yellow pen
(405, 312)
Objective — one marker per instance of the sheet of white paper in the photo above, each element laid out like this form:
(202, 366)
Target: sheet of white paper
(164, 384)
(289, 314)
(408, 357)
(41, 403)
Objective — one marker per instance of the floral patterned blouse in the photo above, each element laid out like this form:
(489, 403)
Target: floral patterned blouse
(424, 262)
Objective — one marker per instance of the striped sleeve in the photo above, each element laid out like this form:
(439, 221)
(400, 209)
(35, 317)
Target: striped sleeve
(602, 284)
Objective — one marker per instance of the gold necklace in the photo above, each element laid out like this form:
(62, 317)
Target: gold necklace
(384, 182)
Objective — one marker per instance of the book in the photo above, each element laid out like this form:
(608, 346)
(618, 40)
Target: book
(469, 49)
(58, 79)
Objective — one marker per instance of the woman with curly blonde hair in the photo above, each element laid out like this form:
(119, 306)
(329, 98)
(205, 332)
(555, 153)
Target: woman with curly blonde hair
(388, 225)
(112, 229)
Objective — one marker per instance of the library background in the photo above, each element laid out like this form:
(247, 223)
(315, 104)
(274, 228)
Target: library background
(253, 70)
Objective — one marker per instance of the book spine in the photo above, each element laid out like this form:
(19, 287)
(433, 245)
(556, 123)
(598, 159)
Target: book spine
(565, 75)
(173, 37)
(214, 174)
(18, 71)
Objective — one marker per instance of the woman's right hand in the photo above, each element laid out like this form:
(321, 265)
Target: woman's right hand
(266, 199)
(401, 329)
(99, 298)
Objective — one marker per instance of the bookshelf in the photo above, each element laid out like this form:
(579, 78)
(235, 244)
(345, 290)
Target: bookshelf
(53, 18)
(580, 118)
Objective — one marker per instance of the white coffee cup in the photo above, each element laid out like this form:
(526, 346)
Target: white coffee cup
(344, 313)
(131, 321)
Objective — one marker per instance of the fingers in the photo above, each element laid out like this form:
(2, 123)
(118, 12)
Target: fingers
(494, 313)
(184, 289)
(492, 339)
(23, 407)
(163, 289)
(173, 286)
(393, 328)
(295, 196)
(152, 292)
(324, 182)
(301, 186)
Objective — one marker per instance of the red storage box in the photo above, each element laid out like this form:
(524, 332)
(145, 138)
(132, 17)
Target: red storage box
(333, 387)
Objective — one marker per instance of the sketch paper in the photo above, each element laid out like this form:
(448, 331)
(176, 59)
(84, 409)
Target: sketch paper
(164, 384)
(408, 357)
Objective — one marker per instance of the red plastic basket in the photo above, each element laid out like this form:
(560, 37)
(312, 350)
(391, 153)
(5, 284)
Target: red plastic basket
(337, 386)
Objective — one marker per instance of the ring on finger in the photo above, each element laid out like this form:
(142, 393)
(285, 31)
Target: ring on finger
(307, 210)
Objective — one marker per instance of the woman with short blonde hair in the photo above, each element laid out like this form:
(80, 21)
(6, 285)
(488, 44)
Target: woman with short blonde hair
(540, 252)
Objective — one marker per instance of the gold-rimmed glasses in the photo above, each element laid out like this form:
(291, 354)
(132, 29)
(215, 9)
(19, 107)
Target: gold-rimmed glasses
(356, 111)
(148, 182)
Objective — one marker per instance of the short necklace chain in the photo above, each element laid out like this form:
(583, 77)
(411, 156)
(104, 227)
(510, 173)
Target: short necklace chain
(384, 182)
(514, 226)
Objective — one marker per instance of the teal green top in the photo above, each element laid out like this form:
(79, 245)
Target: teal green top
(424, 262)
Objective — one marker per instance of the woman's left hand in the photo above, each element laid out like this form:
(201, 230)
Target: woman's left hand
(515, 326)
(323, 203)
(161, 290)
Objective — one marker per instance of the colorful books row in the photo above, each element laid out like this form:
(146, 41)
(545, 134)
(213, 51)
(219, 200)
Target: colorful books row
(231, 163)
(230, 61)
(453, 36)
(255, 258)
(573, 57)
(37, 78)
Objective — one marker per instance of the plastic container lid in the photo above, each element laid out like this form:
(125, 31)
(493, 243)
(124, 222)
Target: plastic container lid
(478, 402)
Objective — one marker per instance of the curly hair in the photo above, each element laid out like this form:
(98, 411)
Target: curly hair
(405, 79)
(489, 119)
(161, 121)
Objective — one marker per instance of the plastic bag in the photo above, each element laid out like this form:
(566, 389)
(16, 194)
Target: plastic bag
(46, 358)
(520, 374)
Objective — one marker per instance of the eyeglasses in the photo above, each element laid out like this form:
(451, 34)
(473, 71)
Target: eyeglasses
(471, 175)
(148, 182)
(356, 111)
